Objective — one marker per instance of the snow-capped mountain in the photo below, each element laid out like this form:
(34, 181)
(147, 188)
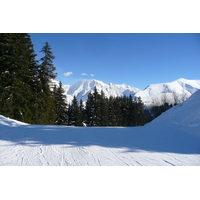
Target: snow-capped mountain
(178, 90)
(81, 89)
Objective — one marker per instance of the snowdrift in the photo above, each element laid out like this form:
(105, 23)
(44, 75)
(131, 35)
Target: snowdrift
(185, 114)
(10, 122)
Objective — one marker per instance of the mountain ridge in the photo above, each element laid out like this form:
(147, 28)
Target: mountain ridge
(178, 90)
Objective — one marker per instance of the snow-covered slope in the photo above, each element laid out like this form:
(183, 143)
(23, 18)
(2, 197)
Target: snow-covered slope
(10, 122)
(178, 90)
(185, 114)
(171, 139)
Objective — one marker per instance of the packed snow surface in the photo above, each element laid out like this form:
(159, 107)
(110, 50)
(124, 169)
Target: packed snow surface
(172, 139)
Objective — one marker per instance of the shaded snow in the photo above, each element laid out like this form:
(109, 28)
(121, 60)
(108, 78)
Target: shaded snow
(58, 145)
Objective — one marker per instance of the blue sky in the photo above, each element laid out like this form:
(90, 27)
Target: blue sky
(132, 58)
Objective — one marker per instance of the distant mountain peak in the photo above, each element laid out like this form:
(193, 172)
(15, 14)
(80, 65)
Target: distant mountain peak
(182, 79)
(82, 88)
(152, 93)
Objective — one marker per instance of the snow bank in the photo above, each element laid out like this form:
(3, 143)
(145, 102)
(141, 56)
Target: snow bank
(185, 114)
(10, 122)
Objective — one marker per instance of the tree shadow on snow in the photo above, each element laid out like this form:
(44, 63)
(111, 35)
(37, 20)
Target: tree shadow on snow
(172, 139)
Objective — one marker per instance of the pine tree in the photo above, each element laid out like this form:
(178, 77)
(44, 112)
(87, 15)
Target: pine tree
(76, 115)
(47, 69)
(130, 111)
(124, 110)
(45, 105)
(117, 111)
(90, 119)
(18, 72)
(60, 105)
(112, 118)
(83, 112)
(69, 115)
(102, 110)
(96, 109)
(139, 112)
(49, 115)
(96, 120)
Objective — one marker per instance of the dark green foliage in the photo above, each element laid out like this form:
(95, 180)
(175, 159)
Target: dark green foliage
(46, 68)
(119, 111)
(102, 110)
(25, 93)
(60, 105)
(45, 105)
(90, 113)
(48, 116)
(83, 112)
(97, 109)
(75, 115)
(18, 81)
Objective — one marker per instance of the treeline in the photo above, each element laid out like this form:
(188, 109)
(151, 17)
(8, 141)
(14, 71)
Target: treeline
(27, 93)
(102, 111)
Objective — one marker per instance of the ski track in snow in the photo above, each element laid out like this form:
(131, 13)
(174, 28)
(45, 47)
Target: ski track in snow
(89, 155)
(60, 155)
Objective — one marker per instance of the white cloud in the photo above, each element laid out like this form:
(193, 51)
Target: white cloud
(68, 73)
(91, 74)
(84, 74)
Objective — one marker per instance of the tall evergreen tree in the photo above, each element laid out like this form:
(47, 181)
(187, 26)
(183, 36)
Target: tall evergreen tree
(96, 109)
(76, 115)
(102, 110)
(45, 104)
(60, 105)
(124, 110)
(139, 112)
(117, 111)
(83, 112)
(47, 69)
(18, 76)
(130, 111)
(112, 117)
(90, 115)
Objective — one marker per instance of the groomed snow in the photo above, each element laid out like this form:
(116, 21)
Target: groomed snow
(172, 139)
(54, 145)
